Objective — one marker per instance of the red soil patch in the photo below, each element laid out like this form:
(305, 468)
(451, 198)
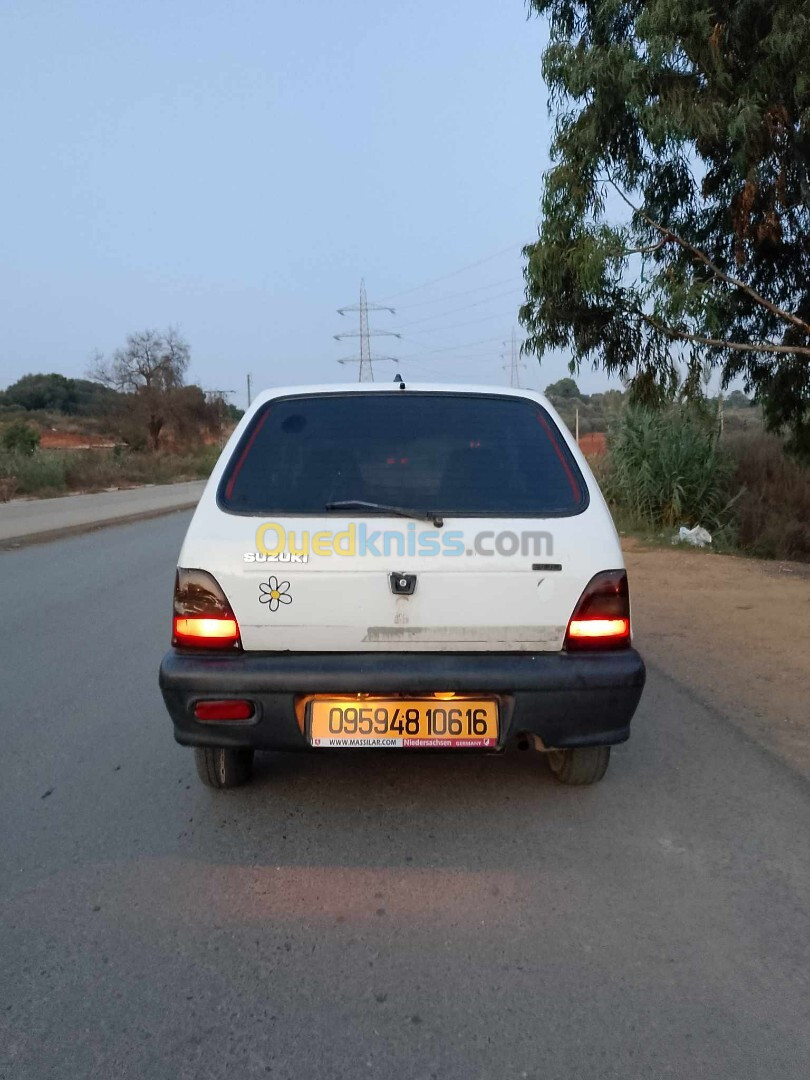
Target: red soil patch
(594, 444)
(65, 440)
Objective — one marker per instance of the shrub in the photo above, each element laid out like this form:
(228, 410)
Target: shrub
(20, 437)
(668, 468)
(90, 470)
(52, 472)
(773, 513)
(42, 473)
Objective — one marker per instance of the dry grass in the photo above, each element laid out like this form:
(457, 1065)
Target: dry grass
(772, 517)
(55, 472)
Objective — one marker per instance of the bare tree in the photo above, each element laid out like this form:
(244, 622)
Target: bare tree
(151, 367)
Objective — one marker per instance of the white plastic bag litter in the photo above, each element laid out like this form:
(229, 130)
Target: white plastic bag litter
(699, 537)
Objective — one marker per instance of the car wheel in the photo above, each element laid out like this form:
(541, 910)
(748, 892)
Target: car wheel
(219, 767)
(579, 765)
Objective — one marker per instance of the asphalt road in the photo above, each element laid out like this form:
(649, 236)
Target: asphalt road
(369, 915)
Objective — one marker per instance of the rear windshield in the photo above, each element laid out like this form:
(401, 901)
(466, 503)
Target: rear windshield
(465, 454)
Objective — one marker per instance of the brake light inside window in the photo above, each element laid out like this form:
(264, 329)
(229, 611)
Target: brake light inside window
(601, 619)
(203, 618)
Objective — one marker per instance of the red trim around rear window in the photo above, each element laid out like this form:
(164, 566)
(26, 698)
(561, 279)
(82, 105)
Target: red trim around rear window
(553, 437)
(244, 454)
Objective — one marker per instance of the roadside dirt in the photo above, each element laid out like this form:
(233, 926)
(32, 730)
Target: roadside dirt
(593, 444)
(68, 440)
(736, 631)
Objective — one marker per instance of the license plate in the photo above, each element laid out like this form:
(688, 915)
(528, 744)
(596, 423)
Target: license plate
(403, 723)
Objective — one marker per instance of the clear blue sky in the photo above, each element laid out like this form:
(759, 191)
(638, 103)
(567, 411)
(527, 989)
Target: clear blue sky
(234, 169)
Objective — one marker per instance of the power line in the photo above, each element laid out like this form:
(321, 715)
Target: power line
(454, 273)
(469, 322)
(453, 311)
(455, 296)
(439, 365)
(450, 348)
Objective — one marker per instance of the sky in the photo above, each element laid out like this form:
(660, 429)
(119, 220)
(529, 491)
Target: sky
(234, 170)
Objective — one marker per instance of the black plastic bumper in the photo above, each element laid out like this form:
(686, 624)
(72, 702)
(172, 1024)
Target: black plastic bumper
(565, 699)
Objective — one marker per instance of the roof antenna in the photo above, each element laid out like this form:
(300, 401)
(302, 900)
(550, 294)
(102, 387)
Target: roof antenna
(398, 378)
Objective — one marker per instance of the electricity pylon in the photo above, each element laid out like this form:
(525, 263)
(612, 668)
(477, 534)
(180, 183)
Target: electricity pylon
(515, 364)
(365, 359)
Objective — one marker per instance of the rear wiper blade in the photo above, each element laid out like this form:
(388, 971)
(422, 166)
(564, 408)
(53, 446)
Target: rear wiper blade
(400, 511)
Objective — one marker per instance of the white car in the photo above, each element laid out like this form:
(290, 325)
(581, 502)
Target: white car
(406, 567)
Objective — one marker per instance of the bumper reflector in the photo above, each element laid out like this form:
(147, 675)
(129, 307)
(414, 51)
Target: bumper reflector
(224, 710)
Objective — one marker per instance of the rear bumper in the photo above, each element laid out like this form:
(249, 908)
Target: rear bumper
(564, 699)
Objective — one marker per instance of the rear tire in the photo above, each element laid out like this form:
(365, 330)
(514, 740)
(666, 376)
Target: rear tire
(222, 767)
(579, 765)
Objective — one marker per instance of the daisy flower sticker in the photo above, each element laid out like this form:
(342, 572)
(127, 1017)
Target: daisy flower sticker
(274, 592)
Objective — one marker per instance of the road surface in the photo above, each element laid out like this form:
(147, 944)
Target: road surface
(27, 520)
(370, 915)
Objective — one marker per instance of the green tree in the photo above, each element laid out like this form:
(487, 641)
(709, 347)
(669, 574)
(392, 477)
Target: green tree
(563, 388)
(93, 399)
(737, 400)
(20, 437)
(675, 227)
(52, 391)
(56, 393)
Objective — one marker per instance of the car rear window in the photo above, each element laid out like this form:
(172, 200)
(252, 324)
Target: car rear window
(465, 454)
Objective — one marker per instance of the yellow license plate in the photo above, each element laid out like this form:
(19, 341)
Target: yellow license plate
(403, 723)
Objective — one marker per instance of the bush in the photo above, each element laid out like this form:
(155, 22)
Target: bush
(42, 473)
(773, 513)
(667, 468)
(20, 437)
(52, 472)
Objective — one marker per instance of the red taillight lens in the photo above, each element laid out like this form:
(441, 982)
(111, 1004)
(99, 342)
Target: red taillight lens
(599, 628)
(601, 619)
(215, 633)
(203, 618)
(224, 710)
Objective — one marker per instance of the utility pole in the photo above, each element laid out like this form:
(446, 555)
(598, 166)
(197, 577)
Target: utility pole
(365, 359)
(249, 380)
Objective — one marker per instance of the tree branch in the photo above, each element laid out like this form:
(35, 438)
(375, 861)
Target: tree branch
(703, 258)
(718, 343)
(646, 250)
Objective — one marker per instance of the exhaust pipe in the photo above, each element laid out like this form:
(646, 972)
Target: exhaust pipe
(530, 742)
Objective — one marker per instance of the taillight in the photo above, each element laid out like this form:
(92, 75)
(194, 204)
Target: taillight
(203, 618)
(601, 619)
